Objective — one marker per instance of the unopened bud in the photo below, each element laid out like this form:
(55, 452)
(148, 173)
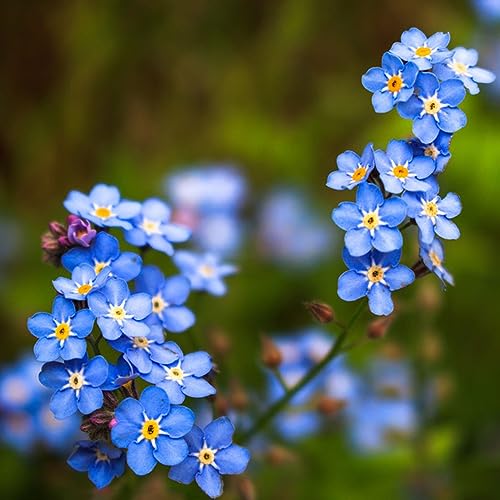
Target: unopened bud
(270, 354)
(220, 343)
(429, 296)
(378, 328)
(278, 455)
(246, 488)
(221, 404)
(238, 396)
(320, 311)
(330, 406)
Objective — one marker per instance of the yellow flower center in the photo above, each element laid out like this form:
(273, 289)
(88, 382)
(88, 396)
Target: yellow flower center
(176, 374)
(423, 52)
(207, 271)
(84, 289)
(434, 258)
(150, 429)
(395, 83)
(101, 457)
(371, 220)
(117, 312)
(151, 226)
(62, 331)
(431, 151)
(158, 304)
(359, 173)
(76, 381)
(99, 266)
(431, 209)
(459, 68)
(206, 456)
(141, 342)
(375, 274)
(400, 171)
(432, 106)
(103, 212)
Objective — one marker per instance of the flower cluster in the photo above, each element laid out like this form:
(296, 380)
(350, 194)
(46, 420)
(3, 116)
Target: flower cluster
(112, 301)
(398, 187)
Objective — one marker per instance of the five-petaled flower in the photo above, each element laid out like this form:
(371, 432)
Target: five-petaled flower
(100, 459)
(62, 333)
(400, 170)
(433, 256)
(438, 150)
(103, 207)
(211, 454)
(434, 107)
(152, 430)
(433, 213)
(84, 280)
(352, 169)
(423, 51)
(371, 221)
(390, 84)
(375, 275)
(118, 312)
(183, 376)
(77, 383)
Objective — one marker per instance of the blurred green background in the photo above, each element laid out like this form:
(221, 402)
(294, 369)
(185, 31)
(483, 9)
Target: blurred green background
(122, 92)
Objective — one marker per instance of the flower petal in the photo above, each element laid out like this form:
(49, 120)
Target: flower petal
(210, 482)
(140, 457)
(379, 300)
(232, 460)
(219, 433)
(352, 286)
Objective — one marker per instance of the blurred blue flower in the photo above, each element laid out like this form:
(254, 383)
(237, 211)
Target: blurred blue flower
(374, 275)
(488, 10)
(104, 253)
(423, 51)
(462, 65)
(390, 84)
(183, 375)
(438, 150)
(434, 107)
(56, 434)
(118, 312)
(433, 213)
(400, 170)
(204, 271)
(83, 281)
(211, 454)
(152, 430)
(153, 227)
(102, 461)
(168, 296)
(103, 207)
(77, 385)
(62, 333)
(433, 257)
(352, 169)
(371, 221)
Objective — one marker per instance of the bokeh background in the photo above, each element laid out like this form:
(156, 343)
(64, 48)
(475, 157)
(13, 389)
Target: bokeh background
(127, 92)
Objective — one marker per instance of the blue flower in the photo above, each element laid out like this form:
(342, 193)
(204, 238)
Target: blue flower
(438, 150)
(104, 253)
(57, 435)
(400, 171)
(167, 298)
(390, 84)
(433, 257)
(204, 271)
(183, 376)
(462, 65)
(432, 214)
(423, 51)
(103, 207)
(62, 333)
(211, 454)
(83, 281)
(119, 374)
(118, 312)
(77, 383)
(153, 227)
(434, 107)
(141, 352)
(102, 461)
(152, 430)
(371, 221)
(375, 275)
(352, 169)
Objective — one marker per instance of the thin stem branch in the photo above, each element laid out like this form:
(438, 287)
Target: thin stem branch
(274, 409)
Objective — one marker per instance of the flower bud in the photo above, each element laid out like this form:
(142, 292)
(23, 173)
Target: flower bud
(238, 396)
(246, 488)
(279, 455)
(54, 243)
(378, 328)
(320, 311)
(330, 406)
(221, 404)
(220, 343)
(80, 231)
(270, 354)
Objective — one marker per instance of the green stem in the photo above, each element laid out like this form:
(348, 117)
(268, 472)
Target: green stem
(411, 222)
(94, 344)
(274, 409)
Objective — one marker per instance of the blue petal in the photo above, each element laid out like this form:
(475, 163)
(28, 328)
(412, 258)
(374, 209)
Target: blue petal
(73, 348)
(422, 166)
(347, 215)
(98, 304)
(413, 37)
(358, 242)
(413, 204)
(410, 108)
(232, 460)
(452, 92)
(136, 237)
(46, 349)
(393, 211)
(426, 228)
(104, 195)
(96, 371)
(176, 290)
(482, 75)
(156, 210)
(161, 355)
(128, 209)
(105, 247)
(149, 280)
(379, 300)
(41, 324)
(173, 389)
(62, 309)
(339, 180)
(392, 184)
(410, 73)
(450, 205)
(447, 229)
(427, 83)
(399, 151)
(139, 305)
(219, 433)
(198, 363)
(451, 119)
(386, 259)
(159, 243)
(399, 277)
(438, 40)
(81, 458)
(387, 239)
(348, 161)
(374, 79)
(215, 286)
(134, 328)
(116, 291)
(66, 287)
(176, 319)
(140, 359)
(425, 128)
(129, 420)
(140, 457)
(63, 403)
(369, 197)
(53, 375)
(197, 387)
(83, 323)
(170, 451)
(178, 422)
(413, 184)
(361, 263)
(352, 286)
(100, 474)
(109, 328)
(382, 161)
(127, 266)
(175, 232)
(402, 51)
(195, 439)
(391, 63)
(209, 481)
(155, 402)
(185, 471)
(91, 399)
(382, 102)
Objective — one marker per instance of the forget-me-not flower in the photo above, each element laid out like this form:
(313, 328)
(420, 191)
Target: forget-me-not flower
(152, 430)
(352, 169)
(371, 221)
(438, 150)
(433, 257)
(62, 333)
(84, 280)
(374, 275)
